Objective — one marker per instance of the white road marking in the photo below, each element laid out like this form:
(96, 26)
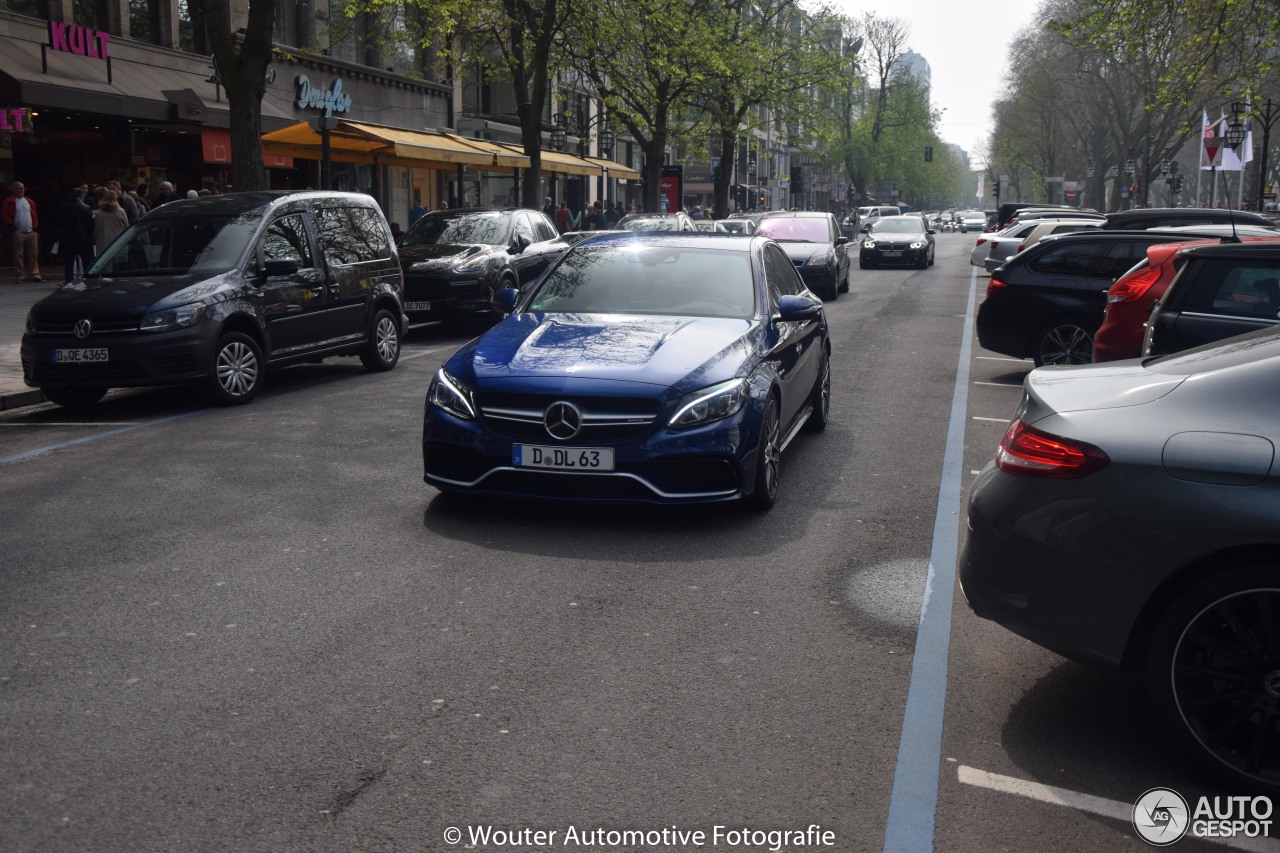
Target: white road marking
(420, 354)
(1001, 384)
(1086, 803)
(992, 420)
(997, 358)
(73, 424)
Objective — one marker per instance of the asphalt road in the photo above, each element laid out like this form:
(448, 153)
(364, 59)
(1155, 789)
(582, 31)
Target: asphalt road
(257, 629)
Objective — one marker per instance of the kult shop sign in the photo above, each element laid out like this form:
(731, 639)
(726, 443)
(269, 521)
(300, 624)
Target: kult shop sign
(82, 41)
(14, 120)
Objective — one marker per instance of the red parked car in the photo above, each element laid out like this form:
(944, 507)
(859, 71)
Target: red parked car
(1130, 298)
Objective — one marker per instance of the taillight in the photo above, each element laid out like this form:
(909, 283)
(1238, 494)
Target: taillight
(981, 240)
(1029, 452)
(994, 286)
(1133, 287)
(1021, 246)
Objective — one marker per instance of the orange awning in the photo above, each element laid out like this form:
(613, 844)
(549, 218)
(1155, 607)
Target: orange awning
(361, 142)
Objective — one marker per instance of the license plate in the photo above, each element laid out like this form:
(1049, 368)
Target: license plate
(562, 458)
(891, 254)
(417, 306)
(86, 355)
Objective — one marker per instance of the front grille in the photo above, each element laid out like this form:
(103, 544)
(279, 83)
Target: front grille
(605, 420)
(600, 486)
(100, 327)
(420, 288)
(680, 475)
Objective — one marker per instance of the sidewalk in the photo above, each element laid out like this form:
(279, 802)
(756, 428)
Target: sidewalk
(15, 300)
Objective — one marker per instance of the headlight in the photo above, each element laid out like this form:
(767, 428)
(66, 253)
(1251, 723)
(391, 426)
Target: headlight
(450, 394)
(474, 264)
(917, 245)
(820, 258)
(710, 404)
(868, 244)
(173, 318)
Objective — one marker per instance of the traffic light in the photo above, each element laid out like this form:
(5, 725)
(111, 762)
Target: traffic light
(928, 153)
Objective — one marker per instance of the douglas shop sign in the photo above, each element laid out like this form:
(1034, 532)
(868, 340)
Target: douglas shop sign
(331, 101)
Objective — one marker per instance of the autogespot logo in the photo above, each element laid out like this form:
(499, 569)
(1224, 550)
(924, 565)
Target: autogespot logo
(1160, 816)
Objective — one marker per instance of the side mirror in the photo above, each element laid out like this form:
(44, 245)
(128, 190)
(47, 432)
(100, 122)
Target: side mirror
(930, 231)
(840, 241)
(504, 300)
(519, 244)
(280, 266)
(794, 308)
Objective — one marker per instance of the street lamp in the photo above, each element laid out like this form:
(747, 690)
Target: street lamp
(558, 137)
(604, 141)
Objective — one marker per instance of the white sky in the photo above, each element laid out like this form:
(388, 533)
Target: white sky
(965, 43)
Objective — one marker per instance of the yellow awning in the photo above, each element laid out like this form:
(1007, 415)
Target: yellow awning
(616, 169)
(361, 142)
(561, 162)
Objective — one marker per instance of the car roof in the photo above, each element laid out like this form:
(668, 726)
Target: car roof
(233, 204)
(797, 214)
(1122, 216)
(1263, 250)
(681, 239)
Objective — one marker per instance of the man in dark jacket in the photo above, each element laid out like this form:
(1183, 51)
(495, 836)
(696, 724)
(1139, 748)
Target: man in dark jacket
(75, 234)
(165, 195)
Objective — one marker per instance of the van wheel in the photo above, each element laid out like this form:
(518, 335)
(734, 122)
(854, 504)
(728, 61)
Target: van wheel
(238, 370)
(383, 349)
(74, 398)
(1065, 341)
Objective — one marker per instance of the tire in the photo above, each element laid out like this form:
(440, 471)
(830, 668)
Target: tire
(383, 349)
(768, 458)
(844, 282)
(924, 263)
(74, 398)
(1213, 674)
(820, 398)
(1065, 341)
(862, 265)
(933, 254)
(238, 371)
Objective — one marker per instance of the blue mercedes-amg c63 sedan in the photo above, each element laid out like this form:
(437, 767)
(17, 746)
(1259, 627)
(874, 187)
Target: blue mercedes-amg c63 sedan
(663, 368)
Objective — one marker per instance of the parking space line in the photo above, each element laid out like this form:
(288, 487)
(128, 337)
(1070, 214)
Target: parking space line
(992, 420)
(420, 354)
(27, 454)
(1083, 802)
(913, 805)
(1000, 384)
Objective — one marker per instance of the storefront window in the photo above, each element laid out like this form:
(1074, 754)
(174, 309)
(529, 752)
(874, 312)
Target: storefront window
(191, 27)
(90, 13)
(286, 28)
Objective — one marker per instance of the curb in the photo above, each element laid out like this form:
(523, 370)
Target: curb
(21, 399)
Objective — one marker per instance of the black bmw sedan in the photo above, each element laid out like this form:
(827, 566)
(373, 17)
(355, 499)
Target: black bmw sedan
(896, 240)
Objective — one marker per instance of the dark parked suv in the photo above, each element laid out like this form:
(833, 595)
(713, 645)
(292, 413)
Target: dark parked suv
(1221, 291)
(455, 260)
(1047, 302)
(815, 244)
(218, 290)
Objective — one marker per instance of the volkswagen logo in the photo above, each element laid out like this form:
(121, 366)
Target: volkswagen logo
(562, 420)
(83, 328)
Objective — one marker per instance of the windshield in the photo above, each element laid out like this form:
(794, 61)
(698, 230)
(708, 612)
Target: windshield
(897, 226)
(449, 229)
(178, 246)
(791, 229)
(626, 279)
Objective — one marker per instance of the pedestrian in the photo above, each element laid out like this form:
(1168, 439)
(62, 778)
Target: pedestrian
(124, 200)
(597, 222)
(444, 205)
(549, 208)
(564, 220)
(418, 211)
(192, 194)
(75, 234)
(613, 214)
(396, 232)
(22, 220)
(109, 222)
(165, 195)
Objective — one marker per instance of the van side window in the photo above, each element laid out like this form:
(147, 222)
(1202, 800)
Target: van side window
(287, 238)
(352, 235)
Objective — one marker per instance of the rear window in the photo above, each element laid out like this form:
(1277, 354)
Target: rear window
(1235, 288)
(1072, 259)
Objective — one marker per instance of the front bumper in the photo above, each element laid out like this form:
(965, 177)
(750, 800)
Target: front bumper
(444, 294)
(708, 464)
(135, 359)
(904, 255)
